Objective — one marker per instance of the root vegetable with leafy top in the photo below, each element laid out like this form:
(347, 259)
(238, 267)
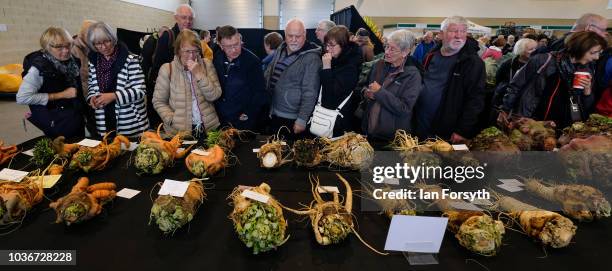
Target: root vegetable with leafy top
(97, 158)
(260, 226)
(206, 165)
(307, 152)
(271, 154)
(170, 213)
(475, 230)
(154, 154)
(83, 202)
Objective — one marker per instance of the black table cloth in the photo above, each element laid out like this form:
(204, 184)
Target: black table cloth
(122, 239)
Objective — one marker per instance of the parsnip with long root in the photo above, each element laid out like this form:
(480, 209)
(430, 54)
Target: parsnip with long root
(475, 230)
(97, 158)
(331, 221)
(154, 154)
(580, 202)
(18, 198)
(351, 151)
(206, 165)
(83, 202)
(548, 227)
(260, 226)
(170, 213)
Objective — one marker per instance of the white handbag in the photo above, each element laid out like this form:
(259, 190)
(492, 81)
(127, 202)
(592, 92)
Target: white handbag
(323, 120)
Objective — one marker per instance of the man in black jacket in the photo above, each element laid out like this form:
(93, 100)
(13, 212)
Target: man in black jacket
(453, 86)
(242, 82)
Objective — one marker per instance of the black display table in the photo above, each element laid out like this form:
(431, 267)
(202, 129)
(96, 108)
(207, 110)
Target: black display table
(121, 238)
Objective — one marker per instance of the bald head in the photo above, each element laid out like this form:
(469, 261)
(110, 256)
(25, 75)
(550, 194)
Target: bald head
(184, 17)
(295, 35)
(593, 23)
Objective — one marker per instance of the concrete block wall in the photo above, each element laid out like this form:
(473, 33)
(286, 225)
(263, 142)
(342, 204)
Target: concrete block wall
(27, 19)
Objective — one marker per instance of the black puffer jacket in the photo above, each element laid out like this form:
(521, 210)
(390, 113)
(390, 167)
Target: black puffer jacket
(338, 82)
(537, 91)
(464, 96)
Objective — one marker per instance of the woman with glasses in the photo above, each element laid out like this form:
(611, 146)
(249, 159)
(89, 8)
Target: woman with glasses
(51, 86)
(186, 89)
(341, 66)
(395, 84)
(116, 84)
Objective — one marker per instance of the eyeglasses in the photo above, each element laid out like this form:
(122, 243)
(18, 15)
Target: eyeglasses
(61, 46)
(231, 47)
(390, 49)
(190, 52)
(101, 43)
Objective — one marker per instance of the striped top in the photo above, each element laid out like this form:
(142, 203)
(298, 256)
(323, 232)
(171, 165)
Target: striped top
(130, 106)
(282, 64)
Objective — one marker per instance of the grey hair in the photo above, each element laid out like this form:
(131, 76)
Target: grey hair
(521, 46)
(327, 24)
(184, 6)
(403, 38)
(100, 31)
(453, 20)
(296, 20)
(586, 20)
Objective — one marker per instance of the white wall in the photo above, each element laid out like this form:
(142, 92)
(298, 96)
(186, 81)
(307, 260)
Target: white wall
(167, 5)
(551, 9)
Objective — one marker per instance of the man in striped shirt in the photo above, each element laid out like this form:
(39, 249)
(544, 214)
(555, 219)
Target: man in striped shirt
(293, 80)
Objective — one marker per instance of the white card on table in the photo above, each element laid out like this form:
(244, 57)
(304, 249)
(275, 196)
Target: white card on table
(421, 234)
(510, 188)
(127, 193)
(391, 181)
(460, 147)
(483, 202)
(50, 180)
(29, 152)
(200, 152)
(255, 150)
(8, 174)
(328, 189)
(512, 182)
(89, 142)
(189, 142)
(132, 147)
(462, 205)
(255, 196)
(173, 188)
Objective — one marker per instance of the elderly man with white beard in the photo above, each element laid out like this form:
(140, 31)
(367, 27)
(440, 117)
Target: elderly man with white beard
(293, 80)
(453, 92)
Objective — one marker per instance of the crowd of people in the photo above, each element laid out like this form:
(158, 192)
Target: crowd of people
(433, 86)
